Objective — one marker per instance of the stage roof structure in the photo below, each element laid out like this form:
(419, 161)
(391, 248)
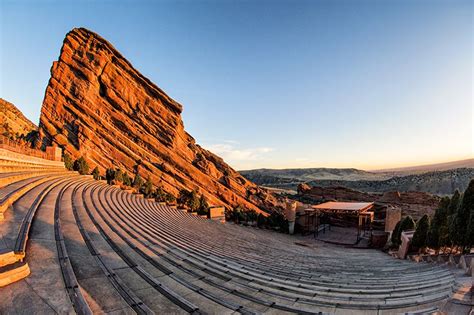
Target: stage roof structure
(344, 207)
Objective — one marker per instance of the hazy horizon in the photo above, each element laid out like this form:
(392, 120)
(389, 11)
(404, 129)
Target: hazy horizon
(267, 84)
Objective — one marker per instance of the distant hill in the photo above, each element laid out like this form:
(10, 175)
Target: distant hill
(12, 122)
(300, 175)
(467, 163)
(440, 182)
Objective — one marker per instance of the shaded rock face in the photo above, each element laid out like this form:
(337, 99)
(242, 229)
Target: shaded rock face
(98, 106)
(13, 122)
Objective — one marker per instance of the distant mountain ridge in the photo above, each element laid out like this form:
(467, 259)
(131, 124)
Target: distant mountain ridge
(467, 163)
(307, 174)
(439, 182)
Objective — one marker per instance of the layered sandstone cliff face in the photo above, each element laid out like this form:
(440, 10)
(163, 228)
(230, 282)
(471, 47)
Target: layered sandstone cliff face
(12, 122)
(98, 106)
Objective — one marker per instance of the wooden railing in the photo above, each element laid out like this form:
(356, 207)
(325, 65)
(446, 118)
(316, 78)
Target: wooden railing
(15, 146)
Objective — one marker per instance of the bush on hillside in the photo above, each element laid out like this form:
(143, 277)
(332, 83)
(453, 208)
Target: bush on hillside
(109, 175)
(68, 163)
(147, 188)
(203, 206)
(96, 173)
(81, 166)
(127, 181)
(137, 182)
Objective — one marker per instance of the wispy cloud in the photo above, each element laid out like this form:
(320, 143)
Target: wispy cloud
(231, 151)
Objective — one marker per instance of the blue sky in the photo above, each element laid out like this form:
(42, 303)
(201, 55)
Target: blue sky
(366, 84)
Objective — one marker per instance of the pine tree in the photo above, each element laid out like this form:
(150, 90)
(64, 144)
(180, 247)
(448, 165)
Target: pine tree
(396, 234)
(261, 220)
(421, 232)
(438, 234)
(183, 197)
(452, 212)
(470, 230)
(193, 201)
(160, 195)
(454, 203)
(118, 175)
(137, 182)
(127, 181)
(109, 175)
(169, 198)
(81, 166)
(147, 188)
(96, 173)
(464, 215)
(68, 163)
(203, 206)
(405, 224)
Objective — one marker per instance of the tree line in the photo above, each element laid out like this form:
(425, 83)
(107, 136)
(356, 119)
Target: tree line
(115, 176)
(452, 225)
(186, 199)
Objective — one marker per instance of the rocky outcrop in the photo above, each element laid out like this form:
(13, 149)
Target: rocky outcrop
(414, 203)
(12, 122)
(98, 106)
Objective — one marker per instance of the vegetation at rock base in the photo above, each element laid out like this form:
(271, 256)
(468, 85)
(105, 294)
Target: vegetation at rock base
(203, 206)
(405, 224)
(137, 181)
(96, 173)
(127, 181)
(275, 220)
(438, 234)
(81, 166)
(147, 189)
(395, 239)
(452, 225)
(163, 196)
(421, 233)
(464, 217)
(68, 162)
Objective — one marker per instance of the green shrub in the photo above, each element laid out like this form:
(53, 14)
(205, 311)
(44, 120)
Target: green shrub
(261, 220)
(464, 217)
(127, 181)
(68, 163)
(96, 173)
(183, 198)
(193, 201)
(421, 234)
(169, 198)
(203, 206)
(396, 234)
(81, 166)
(438, 234)
(147, 188)
(138, 182)
(109, 175)
(118, 175)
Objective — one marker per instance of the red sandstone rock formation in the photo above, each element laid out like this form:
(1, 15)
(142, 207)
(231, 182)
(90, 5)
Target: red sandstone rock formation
(98, 106)
(13, 122)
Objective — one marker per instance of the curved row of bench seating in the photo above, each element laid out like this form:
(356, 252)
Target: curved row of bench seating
(112, 251)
